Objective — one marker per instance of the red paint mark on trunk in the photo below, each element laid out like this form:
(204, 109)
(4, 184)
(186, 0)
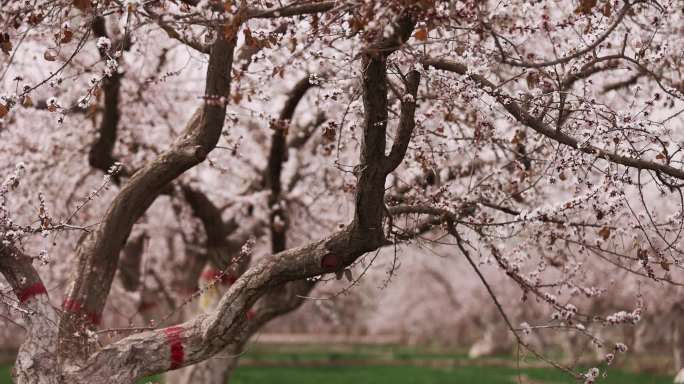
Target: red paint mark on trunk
(226, 278)
(331, 262)
(32, 290)
(70, 305)
(250, 314)
(173, 337)
(93, 318)
(77, 308)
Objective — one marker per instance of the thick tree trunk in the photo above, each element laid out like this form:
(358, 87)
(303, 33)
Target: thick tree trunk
(36, 361)
(57, 347)
(216, 370)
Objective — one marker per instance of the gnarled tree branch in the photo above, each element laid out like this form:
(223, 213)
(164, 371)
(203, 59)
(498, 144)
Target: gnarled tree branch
(407, 122)
(207, 335)
(97, 256)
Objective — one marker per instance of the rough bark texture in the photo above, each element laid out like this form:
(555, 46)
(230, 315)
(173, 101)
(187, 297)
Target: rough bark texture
(218, 369)
(97, 255)
(238, 314)
(36, 355)
(277, 156)
(101, 152)
(130, 263)
(207, 335)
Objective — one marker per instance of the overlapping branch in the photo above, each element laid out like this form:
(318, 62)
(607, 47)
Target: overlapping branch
(97, 255)
(206, 335)
(578, 53)
(523, 116)
(293, 10)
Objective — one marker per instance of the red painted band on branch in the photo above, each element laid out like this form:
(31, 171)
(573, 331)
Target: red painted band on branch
(173, 337)
(76, 307)
(331, 262)
(214, 275)
(32, 290)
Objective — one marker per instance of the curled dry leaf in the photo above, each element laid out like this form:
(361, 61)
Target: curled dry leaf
(66, 36)
(5, 43)
(50, 55)
(607, 9)
(585, 7)
(82, 5)
(664, 264)
(329, 133)
(532, 80)
(26, 101)
(421, 34)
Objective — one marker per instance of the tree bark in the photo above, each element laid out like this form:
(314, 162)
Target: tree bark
(205, 336)
(260, 294)
(35, 361)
